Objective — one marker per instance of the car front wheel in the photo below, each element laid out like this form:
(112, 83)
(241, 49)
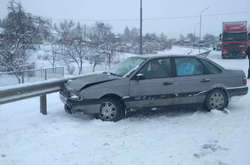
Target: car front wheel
(216, 99)
(111, 110)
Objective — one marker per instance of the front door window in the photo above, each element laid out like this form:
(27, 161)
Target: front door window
(156, 69)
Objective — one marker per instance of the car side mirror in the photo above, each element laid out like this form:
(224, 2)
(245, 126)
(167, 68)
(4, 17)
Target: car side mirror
(139, 76)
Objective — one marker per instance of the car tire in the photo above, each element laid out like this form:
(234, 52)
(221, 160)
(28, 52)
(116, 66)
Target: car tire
(111, 109)
(216, 99)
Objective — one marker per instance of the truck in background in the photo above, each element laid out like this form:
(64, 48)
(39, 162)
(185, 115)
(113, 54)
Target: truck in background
(234, 39)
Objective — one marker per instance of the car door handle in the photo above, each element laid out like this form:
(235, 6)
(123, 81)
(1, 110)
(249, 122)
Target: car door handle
(167, 83)
(205, 80)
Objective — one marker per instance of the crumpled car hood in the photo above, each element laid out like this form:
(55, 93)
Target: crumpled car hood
(86, 81)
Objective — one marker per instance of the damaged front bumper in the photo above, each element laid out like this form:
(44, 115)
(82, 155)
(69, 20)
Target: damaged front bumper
(88, 106)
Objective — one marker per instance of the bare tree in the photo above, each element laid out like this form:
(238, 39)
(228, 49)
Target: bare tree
(52, 53)
(21, 33)
(52, 49)
(95, 58)
(104, 40)
(73, 43)
(129, 42)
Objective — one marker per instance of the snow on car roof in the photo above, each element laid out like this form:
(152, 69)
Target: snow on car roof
(150, 56)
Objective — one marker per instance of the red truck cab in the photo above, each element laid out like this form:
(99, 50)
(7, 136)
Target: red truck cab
(234, 39)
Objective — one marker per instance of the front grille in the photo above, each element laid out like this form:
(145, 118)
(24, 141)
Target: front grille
(233, 49)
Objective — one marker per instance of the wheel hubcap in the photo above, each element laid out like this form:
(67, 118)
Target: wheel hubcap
(108, 111)
(217, 100)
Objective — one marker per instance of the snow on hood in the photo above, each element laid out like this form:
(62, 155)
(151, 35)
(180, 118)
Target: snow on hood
(88, 80)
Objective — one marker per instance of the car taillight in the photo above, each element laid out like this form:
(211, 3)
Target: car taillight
(244, 80)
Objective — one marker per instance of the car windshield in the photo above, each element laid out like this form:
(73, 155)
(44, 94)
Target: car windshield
(127, 66)
(235, 36)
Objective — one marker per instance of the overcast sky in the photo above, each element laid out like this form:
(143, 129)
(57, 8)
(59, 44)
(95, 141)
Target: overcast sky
(168, 16)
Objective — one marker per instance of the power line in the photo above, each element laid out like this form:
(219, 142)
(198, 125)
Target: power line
(157, 18)
(196, 16)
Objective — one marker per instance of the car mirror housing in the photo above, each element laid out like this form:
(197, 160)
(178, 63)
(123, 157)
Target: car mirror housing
(139, 76)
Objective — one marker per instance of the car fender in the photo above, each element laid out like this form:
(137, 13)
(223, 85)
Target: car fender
(219, 86)
(118, 87)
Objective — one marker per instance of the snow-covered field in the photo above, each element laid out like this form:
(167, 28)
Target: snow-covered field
(171, 137)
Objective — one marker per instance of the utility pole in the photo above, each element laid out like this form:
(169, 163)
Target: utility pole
(194, 38)
(85, 32)
(141, 51)
(201, 27)
(200, 34)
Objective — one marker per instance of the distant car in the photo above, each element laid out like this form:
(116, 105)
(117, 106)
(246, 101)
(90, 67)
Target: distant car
(152, 82)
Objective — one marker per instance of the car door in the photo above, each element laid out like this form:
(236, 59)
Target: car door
(154, 86)
(192, 80)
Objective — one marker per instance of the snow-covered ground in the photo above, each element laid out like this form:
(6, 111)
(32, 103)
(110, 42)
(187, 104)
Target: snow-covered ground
(171, 137)
(178, 50)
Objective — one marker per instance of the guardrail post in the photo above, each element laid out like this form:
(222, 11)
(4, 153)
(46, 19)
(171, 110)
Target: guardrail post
(46, 77)
(63, 72)
(43, 104)
(22, 78)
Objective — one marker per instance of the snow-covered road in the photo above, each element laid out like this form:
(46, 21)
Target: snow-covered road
(174, 138)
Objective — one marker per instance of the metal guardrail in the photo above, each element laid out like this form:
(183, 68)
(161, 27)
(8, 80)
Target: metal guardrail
(205, 54)
(8, 95)
(28, 91)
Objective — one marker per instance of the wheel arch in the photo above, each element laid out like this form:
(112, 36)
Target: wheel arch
(114, 96)
(219, 88)
(111, 95)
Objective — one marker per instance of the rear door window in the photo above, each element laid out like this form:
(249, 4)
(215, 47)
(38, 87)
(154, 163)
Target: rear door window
(212, 69)
(188, 66)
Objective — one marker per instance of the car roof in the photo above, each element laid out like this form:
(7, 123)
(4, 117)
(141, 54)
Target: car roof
(154, 56)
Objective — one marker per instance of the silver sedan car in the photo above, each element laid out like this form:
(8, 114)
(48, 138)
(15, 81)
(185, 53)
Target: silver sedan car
(153, 82)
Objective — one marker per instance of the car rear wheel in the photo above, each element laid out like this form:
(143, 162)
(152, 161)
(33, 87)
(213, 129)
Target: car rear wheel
(216, 99)
(111, 110)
